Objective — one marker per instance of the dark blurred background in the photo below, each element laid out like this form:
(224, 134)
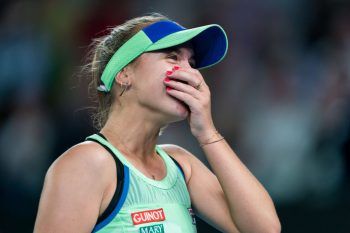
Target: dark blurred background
(281, 97)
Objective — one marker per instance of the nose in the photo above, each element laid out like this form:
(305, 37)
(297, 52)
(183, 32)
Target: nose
(187, 57)
(185, 63)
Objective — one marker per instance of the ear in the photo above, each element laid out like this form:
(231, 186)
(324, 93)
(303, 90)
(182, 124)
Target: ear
(123, 77)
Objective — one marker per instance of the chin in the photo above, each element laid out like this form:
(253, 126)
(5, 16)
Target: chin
(175, 110)
(181, 112)
(178, 112)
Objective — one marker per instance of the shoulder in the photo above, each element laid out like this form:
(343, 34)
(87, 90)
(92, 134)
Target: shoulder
(182, 156)
(74, 188)
(88, 155)
(86, 161)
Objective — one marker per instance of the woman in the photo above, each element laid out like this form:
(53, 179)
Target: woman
(119, 180)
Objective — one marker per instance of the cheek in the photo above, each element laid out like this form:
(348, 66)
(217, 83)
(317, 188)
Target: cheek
(155, 88)
(149, 77)
(150, 86)
(153, 81)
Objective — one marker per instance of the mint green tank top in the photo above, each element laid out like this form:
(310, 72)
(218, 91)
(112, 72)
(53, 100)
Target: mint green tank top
(144, 205)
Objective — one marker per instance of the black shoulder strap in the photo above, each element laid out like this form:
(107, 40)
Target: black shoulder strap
(179, 166)
(120, 181)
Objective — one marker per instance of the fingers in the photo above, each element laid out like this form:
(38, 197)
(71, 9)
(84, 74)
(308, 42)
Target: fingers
(183, 96)
(187, 75)
(182, 87)
(188, 86)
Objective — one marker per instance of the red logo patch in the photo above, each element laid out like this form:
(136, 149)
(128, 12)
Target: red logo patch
(148, 216)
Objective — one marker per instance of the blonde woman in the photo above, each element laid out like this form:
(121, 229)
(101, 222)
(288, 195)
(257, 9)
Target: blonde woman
(146, 76)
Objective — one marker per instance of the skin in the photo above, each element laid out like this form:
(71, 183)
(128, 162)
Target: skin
(80, 183)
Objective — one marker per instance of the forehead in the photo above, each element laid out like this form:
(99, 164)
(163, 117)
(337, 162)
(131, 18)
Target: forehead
(184, 49)
(187, 46)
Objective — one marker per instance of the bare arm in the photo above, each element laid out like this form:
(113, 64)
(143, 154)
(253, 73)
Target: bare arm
(250, 206)
(207, 197)
(73, 191)
(246, 207)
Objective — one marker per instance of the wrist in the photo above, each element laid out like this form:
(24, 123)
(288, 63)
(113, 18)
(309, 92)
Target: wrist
(209, 137)
(215, 138)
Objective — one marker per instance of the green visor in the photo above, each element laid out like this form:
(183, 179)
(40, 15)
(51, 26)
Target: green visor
(209, 46)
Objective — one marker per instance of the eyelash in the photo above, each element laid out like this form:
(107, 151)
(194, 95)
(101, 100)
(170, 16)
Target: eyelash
(175, 57)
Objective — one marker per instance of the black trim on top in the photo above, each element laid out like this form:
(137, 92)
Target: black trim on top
(179, 166)
(120, 182)
(102, 136)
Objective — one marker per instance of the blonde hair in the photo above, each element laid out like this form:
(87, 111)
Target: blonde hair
(101, 51)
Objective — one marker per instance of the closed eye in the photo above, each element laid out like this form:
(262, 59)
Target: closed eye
(173, 56)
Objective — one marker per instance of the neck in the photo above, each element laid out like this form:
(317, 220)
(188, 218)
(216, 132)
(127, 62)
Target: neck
(132, 132)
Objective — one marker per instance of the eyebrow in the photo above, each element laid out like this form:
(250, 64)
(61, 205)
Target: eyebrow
(178, 51)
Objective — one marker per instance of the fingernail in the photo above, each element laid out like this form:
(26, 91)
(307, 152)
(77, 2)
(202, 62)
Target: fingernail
(167, 79)
(169, 88)
(176, 67)
(169, 72)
